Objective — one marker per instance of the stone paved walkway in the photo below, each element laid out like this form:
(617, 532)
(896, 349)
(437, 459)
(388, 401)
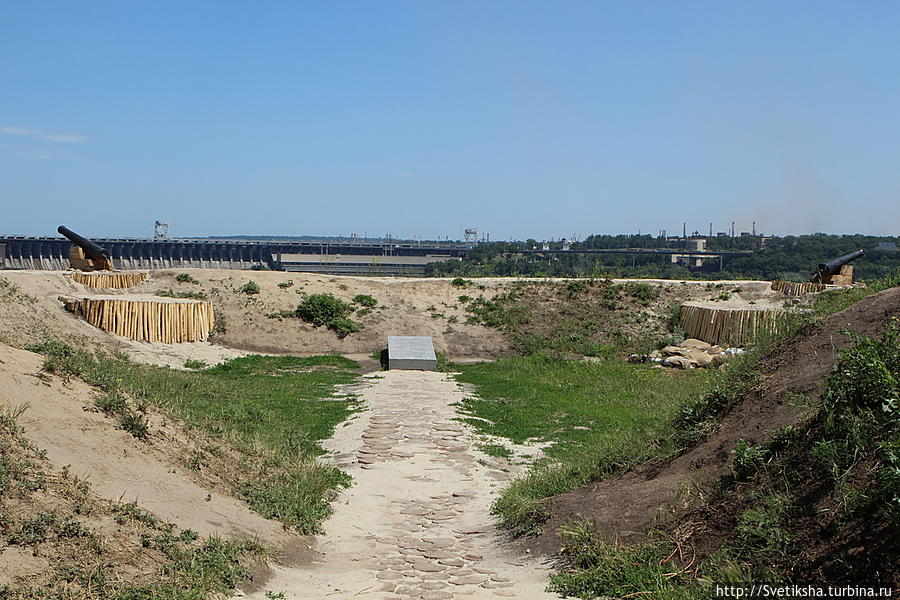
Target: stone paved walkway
(416, 522)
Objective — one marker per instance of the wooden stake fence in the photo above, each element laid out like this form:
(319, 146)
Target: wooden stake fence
(728, 327)
(168, 321)
(790, 288)
(117, 281)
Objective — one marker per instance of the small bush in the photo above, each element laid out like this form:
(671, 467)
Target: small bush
(54, 349)
(250, 288)
(111, 403)
(135, 424)
(286, 284)
(641, 291)
(460, 282)
(573, 288)
(365, 300)
(761, 529)
(747, 459)
(327, 310)
(186, 278)
(344, 327)
(321, 309)
(33, 531)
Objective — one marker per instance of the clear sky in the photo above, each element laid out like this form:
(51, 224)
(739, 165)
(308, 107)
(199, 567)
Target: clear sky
(521, 119)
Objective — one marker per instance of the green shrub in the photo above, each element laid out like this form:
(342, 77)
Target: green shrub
(641, 291)
(33, 531)
(286, 284)
(250, 288)
(460, 282)
(860, 417)
(343, 326)
(761, 529)
(573, 288)
(112, 403)
(51, 348)
(321, 309)
(327, 310)
(186, 278)
(747, 459)
(365, 300)
(135, 424)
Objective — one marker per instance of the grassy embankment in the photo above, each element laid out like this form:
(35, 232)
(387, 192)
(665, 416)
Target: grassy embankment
(543, 398)
(272, 410)
(600, 416)
(818, 502)
(53, 517)
(591, 317)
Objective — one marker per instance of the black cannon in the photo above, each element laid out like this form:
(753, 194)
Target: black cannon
(829, 272)
(86, 255)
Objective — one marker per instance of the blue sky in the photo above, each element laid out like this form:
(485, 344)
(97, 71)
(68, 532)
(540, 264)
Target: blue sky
(521, 119)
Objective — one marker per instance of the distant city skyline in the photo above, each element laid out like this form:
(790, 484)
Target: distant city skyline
(521, 119)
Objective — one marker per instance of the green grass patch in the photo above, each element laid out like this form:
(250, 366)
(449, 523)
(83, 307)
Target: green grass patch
(656, 569)
(90, 563)
(274, 409)
(181, 294)
(365, 300)
(599, 416)
(496, 450)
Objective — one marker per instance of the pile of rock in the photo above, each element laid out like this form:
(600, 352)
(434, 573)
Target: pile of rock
(690, 354)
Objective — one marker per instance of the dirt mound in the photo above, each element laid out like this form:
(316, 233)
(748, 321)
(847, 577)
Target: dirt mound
(59, 539)
(626, 506)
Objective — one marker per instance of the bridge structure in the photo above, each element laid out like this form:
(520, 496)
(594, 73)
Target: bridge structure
(344, 257)
(673, 253)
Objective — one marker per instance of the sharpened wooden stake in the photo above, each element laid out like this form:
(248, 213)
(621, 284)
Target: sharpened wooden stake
(115, 281)
(169, 322)
(728, 327)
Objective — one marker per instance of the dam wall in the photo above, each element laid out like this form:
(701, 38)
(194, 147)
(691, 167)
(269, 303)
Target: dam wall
(336, 258)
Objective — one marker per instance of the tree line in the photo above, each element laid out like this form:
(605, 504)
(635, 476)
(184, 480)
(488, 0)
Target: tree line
(790, 258)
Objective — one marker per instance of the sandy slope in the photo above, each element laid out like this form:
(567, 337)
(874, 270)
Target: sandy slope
(416, 522)
(117, 466)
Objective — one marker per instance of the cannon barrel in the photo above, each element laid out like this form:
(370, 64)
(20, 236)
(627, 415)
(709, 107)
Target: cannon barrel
(833, 266)
(90, 248)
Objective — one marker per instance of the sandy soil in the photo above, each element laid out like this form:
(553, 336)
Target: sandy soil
(403, 305)
(118, 466)
(416, 522)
